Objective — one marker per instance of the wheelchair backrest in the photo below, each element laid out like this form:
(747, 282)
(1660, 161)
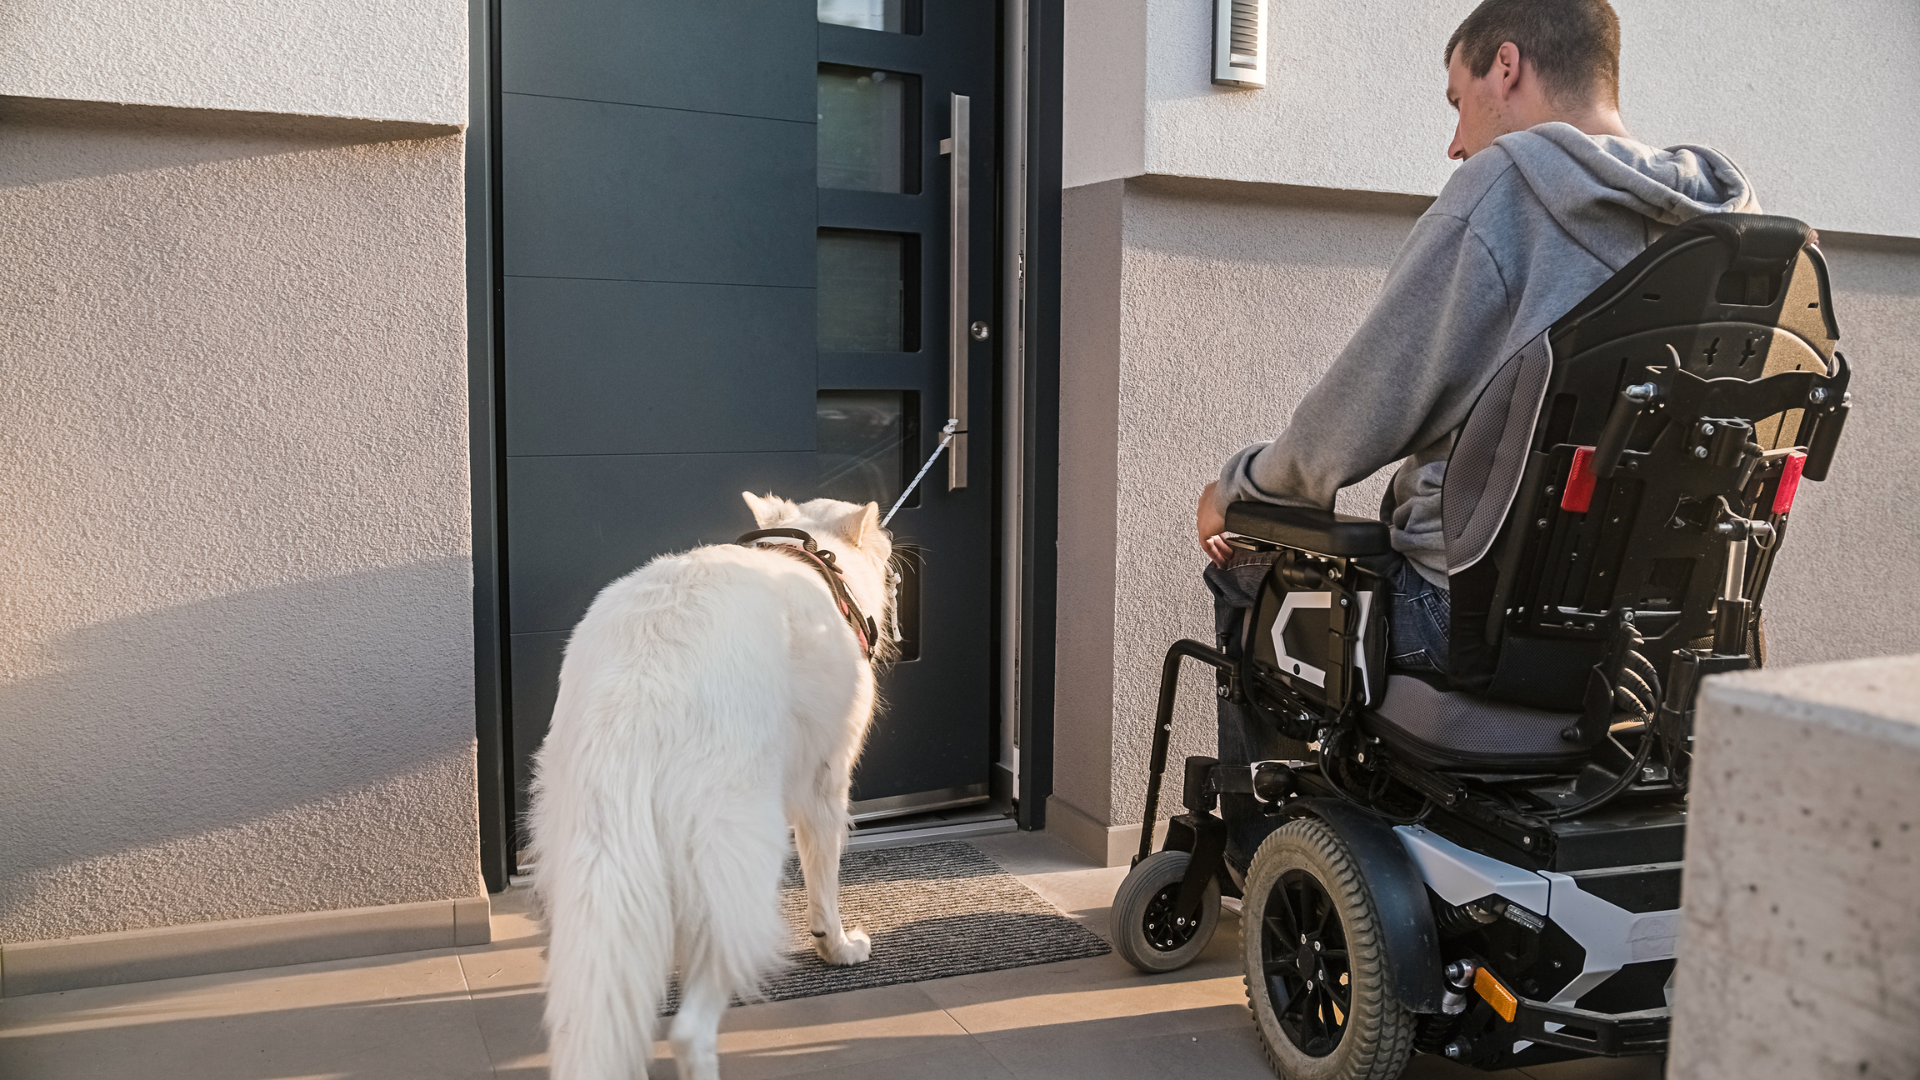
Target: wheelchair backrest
(1637, 461)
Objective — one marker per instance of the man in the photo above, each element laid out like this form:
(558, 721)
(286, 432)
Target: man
(1552, 198)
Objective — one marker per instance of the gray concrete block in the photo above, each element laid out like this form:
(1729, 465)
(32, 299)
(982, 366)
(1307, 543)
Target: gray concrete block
(1801, 947)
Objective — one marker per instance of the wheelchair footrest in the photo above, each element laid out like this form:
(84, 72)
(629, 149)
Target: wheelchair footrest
(1605, 1034)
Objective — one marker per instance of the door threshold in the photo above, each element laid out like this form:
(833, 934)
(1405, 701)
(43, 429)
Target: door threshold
(918, 803)
(902, 834)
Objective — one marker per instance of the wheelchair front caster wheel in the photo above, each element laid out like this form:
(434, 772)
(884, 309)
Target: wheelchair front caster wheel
(1145, 929)
(1316, 976)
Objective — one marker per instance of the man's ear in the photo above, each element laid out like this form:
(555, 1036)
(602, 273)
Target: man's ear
(1507, 66)
(768, 512)
(860, 525)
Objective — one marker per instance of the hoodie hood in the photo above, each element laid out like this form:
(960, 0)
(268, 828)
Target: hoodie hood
(1584, 181)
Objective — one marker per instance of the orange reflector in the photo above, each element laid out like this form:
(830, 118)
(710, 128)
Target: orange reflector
(1498, 996)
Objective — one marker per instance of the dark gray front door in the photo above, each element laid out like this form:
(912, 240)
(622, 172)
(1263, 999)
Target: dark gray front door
(726, 239)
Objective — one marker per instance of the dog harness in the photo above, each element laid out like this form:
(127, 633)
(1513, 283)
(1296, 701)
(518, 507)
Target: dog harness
(807, 551)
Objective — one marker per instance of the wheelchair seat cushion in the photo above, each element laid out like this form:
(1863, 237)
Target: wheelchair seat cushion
(1445, 729)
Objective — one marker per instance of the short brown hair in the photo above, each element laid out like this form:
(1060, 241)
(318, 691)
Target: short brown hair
(1573, 44)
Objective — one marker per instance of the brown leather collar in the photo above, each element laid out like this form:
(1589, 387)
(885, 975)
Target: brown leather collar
(808, 551)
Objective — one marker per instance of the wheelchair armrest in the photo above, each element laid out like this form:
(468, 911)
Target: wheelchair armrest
(1322, 532)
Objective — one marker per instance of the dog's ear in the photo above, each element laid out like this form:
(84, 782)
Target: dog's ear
(768, 512)
(859, 526)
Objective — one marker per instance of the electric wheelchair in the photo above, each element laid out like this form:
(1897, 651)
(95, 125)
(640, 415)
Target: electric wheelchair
(1487, 865)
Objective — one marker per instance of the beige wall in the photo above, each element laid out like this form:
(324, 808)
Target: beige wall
(236, 672)
(1230, 300)
(1203, 314)
(1091, 253)
(1816, 102)
(400, 60)
(1847, 582)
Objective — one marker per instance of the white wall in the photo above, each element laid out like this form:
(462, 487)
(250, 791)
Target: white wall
(1815, 102)
(365, 59)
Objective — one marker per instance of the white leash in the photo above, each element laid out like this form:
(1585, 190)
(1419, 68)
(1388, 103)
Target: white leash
(946, 436)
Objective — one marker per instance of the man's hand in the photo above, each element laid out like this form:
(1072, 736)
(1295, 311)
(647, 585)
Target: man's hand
(1212, 523)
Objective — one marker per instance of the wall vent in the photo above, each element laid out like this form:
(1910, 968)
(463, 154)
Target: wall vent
(1240, 43)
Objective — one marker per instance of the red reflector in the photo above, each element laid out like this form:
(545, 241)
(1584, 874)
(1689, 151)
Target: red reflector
(1579, 493)
(1789, 482)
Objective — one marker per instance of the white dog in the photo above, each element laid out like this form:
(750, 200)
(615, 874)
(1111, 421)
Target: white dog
(706, 700)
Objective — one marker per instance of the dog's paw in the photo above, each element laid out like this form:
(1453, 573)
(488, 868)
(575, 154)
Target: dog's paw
(857, 946)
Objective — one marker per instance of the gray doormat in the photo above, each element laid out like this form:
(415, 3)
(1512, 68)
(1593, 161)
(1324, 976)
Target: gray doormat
(934, 911)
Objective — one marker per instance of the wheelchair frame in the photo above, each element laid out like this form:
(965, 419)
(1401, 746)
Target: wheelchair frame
(1481, 879)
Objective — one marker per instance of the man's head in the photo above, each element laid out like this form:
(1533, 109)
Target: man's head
(1517, 63)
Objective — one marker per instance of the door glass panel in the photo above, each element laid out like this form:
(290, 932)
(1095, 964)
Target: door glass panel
(888, 15)
(866, 440)
(867, 291)
(864, 139)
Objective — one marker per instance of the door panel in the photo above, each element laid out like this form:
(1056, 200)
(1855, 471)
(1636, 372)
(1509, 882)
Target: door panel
(577, 523)
(744, 58)
(639, 367)
(725, 251)
(535, 682)
(934, 741)
(593, 190)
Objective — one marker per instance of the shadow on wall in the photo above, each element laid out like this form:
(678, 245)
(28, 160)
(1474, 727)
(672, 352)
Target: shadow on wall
(285, 749)
(158, 137)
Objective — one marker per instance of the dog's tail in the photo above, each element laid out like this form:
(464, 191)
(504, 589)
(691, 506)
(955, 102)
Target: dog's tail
(606, 894)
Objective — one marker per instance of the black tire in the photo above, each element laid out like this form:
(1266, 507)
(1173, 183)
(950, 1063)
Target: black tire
(1144, 929)
(1315, 962)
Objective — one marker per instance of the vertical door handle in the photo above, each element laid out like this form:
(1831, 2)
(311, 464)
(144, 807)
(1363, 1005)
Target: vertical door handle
(959, 158)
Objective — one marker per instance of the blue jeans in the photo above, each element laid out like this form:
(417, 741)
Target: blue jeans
(1418, 622)
(1417, 627)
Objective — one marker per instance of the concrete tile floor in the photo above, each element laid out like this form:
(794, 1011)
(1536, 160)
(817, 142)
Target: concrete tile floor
(475, 1012)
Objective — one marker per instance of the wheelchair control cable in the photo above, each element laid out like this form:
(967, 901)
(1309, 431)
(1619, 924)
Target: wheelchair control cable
(1624, 781)
(1327, 754)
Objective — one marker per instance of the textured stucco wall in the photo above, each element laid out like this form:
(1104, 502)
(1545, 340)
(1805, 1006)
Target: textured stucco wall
(236, 671)
(1847, 582)
(1815, 101)
(371, 59)
(1800, 955)
(1231, 300)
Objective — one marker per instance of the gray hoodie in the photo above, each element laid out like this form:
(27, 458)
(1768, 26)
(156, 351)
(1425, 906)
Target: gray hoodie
(1522, 232)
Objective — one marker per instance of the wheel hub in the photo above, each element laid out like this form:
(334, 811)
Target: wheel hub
(1307, 957)
(1304, 954)
(1166, 931)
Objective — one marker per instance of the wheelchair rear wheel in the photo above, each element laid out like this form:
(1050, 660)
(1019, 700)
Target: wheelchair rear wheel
(1145, 930)
(1315, 971)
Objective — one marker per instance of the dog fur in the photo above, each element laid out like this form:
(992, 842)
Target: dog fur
(706, 700)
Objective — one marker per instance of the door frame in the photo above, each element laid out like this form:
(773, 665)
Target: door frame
(1028, 454)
